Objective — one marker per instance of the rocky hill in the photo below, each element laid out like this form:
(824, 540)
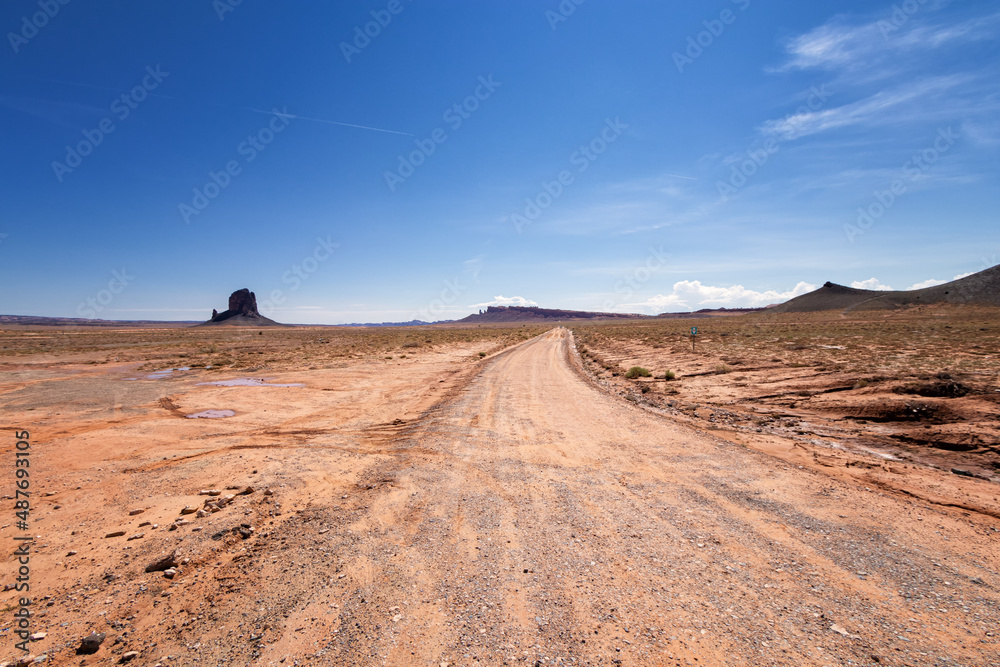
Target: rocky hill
(979, 289)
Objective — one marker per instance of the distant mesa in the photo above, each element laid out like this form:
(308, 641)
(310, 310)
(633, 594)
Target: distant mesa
(979, 289)
(242, 312)
(536, 314)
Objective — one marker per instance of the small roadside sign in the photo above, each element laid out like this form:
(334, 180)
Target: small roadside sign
(694, 331)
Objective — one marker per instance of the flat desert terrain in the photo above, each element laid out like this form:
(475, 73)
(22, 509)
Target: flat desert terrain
(492, 496)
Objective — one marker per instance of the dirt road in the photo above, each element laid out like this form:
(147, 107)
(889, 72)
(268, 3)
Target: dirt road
(534, 518)
(531, 518)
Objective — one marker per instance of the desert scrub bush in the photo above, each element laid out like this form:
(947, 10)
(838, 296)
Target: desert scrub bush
(645, 388)
(722, 369)
(411, 343)
(669, 375)
(861, 384)
(482, 354)
(637, 372)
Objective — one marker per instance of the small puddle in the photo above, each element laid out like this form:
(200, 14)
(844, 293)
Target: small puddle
(165, 373)
(212, 414)
(250, 382)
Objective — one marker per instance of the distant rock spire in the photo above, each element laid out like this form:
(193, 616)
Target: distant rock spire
(241, 302)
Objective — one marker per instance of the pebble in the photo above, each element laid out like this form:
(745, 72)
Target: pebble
(841, 631)
(163, 563)
(129, 656)
(91, 643)
(115, 533)
(137, 536)
(188, 510)
(210, 492)
(137, 510)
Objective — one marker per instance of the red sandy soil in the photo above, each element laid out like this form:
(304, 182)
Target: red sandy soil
(442, 509)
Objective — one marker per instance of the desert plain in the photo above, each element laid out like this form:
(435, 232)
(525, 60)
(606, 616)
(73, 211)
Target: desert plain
(796, 490)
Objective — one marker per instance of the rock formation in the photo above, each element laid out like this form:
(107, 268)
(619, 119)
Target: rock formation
(243, 302)
(242, 311)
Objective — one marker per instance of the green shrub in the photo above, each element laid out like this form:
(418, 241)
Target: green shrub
(482, 354)
(722, 369)
(637, 372)
(669, 375)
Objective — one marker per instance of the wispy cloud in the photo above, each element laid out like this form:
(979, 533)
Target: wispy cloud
(878, 109)
(839, 45)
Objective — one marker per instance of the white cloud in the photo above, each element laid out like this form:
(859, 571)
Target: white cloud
(506, 301)
(871, 284)
(934, 282)
(693, 295)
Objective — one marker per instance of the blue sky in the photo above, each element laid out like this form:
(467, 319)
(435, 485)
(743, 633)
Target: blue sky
(632, 156)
